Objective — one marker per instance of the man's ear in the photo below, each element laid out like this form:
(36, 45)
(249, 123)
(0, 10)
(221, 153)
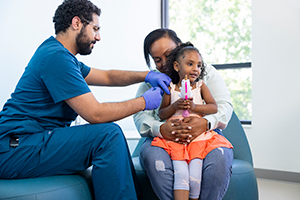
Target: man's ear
(176, 66)
(76, 23)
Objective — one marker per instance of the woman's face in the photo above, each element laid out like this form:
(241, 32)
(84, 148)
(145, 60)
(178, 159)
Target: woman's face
(159, 51)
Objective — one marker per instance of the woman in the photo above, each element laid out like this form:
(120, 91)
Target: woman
(155, 161)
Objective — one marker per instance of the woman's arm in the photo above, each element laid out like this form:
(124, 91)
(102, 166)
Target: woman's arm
(221, 94)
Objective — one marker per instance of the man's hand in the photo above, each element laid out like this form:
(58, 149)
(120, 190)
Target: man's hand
(157, 79)
(152, 98)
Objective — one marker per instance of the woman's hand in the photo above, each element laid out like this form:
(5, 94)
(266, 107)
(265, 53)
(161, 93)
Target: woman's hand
(198, 126)
(173, 130)
(183, 131)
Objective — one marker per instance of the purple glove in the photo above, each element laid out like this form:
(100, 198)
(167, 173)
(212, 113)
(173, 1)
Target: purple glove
(153, 98)
(157, 79)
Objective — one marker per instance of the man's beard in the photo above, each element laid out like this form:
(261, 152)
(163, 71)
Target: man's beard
(83, 44)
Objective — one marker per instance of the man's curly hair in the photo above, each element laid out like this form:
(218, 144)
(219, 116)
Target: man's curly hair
(177, 53)
(64, 14)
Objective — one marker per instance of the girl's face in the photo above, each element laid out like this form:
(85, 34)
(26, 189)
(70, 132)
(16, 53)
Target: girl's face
(159, 51)
(189, 64)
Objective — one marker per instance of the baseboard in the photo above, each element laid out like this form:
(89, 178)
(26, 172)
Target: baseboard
(277, 175)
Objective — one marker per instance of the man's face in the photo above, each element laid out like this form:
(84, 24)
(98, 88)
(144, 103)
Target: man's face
(84, 44)
(88, 36)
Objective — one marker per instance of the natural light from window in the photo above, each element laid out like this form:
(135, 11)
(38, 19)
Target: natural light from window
(221, 30)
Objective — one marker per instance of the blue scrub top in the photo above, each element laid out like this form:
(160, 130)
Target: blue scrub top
(37, 104)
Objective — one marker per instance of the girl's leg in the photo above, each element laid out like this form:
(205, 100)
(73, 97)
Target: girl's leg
(195, 169)
(181, 180)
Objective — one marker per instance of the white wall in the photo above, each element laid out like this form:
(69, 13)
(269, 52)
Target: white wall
(124, 24)
(274, 136)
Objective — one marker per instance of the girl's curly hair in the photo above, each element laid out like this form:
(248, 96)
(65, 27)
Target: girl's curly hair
(65, 12)
(175, 54)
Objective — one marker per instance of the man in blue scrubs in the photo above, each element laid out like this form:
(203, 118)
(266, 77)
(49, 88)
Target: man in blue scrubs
(35, 134)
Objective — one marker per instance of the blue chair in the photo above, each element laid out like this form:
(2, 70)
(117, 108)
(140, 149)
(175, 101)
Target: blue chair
(243, 183)
(62, 187)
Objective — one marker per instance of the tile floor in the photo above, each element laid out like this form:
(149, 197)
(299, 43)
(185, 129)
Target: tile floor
(278, 190)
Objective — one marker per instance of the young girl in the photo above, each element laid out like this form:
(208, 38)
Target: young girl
(185, 61)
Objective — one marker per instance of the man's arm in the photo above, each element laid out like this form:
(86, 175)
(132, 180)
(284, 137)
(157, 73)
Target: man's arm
(123, 78)
(92, 111)
(145, 120)
(114, 77)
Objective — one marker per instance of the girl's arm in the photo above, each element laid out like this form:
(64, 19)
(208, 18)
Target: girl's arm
(210, 107)
(166, 109)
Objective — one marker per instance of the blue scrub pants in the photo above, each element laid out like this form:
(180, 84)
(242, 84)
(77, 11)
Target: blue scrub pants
(72, 149)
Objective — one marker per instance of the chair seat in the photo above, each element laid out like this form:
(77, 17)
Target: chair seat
(243, 184)
(76, 187)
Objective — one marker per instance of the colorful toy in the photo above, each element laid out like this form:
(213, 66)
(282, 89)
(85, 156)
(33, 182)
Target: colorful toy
(185, 93)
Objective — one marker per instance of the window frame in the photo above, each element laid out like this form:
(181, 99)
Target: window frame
(165, 24)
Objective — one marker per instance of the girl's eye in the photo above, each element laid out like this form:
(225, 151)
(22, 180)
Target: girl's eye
(190, 64)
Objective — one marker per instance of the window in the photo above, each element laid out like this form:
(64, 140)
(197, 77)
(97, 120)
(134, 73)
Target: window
(221, 30)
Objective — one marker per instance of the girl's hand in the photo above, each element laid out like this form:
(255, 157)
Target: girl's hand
(181, 104)
(191, 104)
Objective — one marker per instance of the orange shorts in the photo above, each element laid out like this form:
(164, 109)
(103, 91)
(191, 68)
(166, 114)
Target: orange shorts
(198, 148)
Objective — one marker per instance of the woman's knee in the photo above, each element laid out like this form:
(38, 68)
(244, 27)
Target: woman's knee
(155, 156)
(218, 163)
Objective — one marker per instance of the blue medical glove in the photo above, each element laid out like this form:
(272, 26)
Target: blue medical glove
(157, 79)
(153, 98)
